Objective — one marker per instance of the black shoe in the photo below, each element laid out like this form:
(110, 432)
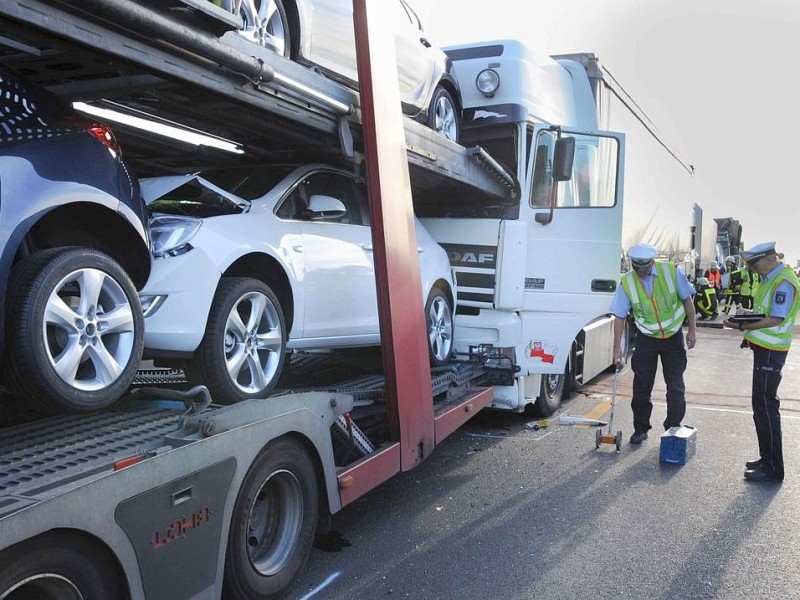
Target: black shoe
(761, 474)
(752, 464)
(638, 437)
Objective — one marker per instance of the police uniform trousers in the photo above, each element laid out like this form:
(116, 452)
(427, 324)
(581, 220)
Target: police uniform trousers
(767, 365)
(644, 365)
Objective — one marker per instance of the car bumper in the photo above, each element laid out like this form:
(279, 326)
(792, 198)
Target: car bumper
(187, 283)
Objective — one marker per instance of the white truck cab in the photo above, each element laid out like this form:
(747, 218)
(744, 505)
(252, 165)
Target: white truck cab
(535, 275)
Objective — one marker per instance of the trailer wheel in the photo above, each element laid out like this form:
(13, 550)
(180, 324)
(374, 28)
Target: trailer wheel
(74, 328)
(244, 346)
(265, 23)
(57, 567)
(273, 524)
(439, 320)
(443, 114)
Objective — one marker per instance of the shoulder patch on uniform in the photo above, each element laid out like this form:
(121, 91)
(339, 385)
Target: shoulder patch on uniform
(780, 297)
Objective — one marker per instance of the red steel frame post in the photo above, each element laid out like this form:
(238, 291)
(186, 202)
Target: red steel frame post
(414, 430)
(402, 322)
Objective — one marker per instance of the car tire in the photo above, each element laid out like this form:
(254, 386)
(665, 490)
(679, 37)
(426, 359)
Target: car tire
(74, 331)
(439, 323)
(244, 346)
(273, 523)
(268, 31)
(443, 115)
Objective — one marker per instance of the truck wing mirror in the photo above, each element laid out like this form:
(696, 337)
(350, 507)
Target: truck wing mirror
(563, 157)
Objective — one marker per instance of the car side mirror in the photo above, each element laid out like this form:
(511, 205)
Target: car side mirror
(323, 208)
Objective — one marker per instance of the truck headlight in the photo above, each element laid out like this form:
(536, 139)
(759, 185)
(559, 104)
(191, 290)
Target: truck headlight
(170, 234)
(487, 82)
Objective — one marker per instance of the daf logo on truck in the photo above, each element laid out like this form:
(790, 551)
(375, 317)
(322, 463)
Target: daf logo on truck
(471, 256)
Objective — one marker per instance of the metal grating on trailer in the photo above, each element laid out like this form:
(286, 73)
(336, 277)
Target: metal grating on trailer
(156, 377)
(369, 389)
(46, 454)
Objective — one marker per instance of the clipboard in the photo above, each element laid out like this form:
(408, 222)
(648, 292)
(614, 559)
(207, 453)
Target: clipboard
(747, 318)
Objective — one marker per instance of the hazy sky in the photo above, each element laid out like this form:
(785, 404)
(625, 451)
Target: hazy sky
(719, 79)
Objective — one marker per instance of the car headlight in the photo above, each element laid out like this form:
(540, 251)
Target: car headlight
(170, 234)
(150, 304)
(487, 82)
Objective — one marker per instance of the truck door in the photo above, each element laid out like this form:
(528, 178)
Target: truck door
(573, 254)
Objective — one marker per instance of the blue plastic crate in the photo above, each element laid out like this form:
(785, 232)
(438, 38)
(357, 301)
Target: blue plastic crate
(678, 444)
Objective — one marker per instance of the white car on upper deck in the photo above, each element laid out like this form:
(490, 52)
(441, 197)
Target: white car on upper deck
(319, 33)
(252, 261)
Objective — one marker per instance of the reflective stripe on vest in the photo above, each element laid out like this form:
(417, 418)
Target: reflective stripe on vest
(706, 299)
(778, 337)
(660, 316)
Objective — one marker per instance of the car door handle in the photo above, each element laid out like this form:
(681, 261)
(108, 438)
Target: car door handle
(367, 246)
(298, 248)
(424, 41)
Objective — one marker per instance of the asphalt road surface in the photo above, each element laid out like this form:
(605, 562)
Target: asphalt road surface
(501, 511)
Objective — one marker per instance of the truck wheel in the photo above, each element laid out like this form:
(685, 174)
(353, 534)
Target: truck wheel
(243, 349)
(550, 395)
(74, 331)
(443, 114)
(266, 24)
(439, 320)
(273, 524)
(57, 566)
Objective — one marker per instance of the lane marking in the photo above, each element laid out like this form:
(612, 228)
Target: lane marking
(329, 580)
(599, 410)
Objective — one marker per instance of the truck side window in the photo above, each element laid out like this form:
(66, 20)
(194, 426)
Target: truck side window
(542, 182)
(593, 182)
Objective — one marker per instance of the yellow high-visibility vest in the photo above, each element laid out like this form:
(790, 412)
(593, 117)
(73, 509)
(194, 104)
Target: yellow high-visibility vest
(778, 337)
(660, 315)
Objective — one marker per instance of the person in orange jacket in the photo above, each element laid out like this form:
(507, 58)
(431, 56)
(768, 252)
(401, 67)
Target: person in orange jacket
(714, 276)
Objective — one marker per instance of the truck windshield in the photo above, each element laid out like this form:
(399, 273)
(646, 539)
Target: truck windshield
(594, 172)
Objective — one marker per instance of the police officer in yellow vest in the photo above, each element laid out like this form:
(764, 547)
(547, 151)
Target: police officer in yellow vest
(777, 297)
(659, 296)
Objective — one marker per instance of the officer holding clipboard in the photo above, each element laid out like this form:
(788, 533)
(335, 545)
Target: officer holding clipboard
(768, 333)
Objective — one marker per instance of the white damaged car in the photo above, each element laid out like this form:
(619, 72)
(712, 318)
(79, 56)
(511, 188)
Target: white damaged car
(251, 262)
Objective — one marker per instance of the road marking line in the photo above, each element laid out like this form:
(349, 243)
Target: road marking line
(329, 580)
(599, 410)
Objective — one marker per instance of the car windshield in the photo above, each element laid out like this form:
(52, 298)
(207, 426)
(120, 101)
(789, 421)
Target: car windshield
(249, 182)
(193, 199)
(32, 113)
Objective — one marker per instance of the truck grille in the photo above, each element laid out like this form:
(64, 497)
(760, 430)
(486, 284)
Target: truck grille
(475, 268)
